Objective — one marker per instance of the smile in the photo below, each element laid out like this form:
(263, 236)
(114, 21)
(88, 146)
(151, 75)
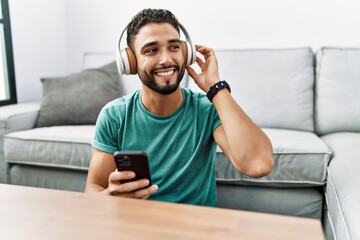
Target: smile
(165, 74)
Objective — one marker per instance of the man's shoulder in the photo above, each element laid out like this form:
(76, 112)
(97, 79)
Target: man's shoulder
(118, 107)
(120, 102)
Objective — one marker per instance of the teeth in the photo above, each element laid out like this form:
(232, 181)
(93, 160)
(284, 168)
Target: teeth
(165, 74)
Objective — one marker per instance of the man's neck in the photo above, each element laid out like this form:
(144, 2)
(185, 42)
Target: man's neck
(161, 105)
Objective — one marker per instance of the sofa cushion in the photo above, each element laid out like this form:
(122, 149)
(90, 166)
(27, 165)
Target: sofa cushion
(342, 190)
(274, 87)
(337, 90)
(77, 99)
(300, 159)
(61, 147)
(48, 177)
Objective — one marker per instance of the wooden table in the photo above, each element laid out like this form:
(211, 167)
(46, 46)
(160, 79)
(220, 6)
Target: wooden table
(34, 213)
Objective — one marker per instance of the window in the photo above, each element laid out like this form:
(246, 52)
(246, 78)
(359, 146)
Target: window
(7, 75)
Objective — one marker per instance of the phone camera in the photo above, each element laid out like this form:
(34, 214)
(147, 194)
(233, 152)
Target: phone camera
(125, 161)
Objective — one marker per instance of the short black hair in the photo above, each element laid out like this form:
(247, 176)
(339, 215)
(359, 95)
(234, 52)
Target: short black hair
(150, 16)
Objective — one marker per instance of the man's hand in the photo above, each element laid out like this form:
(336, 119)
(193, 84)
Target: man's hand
(209, 69)
(104, 180)
(133, 189)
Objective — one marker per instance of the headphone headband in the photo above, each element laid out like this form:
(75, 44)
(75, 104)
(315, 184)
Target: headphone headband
(126, 60)
(120, 64)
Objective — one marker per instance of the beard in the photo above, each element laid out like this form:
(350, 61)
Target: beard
(148, 80)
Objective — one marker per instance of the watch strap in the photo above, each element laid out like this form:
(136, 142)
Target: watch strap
(217, 87)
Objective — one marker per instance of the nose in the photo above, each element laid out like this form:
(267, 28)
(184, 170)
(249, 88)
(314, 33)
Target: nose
(165, 58)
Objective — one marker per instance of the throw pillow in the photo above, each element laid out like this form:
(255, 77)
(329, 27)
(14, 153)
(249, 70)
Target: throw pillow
(78, 98)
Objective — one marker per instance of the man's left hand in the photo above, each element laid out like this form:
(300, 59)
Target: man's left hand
(209, 69)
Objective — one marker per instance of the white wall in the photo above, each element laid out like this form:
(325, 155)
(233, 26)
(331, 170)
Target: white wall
(50, 36)
(39, 43)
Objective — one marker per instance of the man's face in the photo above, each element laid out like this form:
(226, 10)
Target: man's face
(159, 57)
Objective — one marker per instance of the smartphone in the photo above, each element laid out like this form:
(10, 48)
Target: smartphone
(135, 161)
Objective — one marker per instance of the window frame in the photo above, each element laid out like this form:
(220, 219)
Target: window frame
(5, 21)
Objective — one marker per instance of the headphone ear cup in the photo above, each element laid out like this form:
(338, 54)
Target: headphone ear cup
(184, 49)
(126, 61)
(132, 61)
(188, 52)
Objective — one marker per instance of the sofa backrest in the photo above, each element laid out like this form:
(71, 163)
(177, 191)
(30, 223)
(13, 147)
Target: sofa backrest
(274, 86)
(337, 90)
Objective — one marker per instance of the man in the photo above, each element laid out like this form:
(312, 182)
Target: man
(179, 129)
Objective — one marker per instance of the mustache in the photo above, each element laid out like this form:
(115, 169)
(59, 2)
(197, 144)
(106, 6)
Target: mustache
(166, 67)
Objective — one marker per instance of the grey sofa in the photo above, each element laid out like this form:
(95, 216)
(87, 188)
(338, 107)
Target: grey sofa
(308, 104)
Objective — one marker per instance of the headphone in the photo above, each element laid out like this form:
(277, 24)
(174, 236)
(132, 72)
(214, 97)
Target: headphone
(126, 60)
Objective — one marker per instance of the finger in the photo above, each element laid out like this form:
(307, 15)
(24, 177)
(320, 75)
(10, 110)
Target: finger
(199, 61)
(191, 72)
(197, 46)
(146, 192)
(133, 186)
(143, 193)
(206, 52)
(128, 187)
(115, 186)
(122, 175)
(146, 197)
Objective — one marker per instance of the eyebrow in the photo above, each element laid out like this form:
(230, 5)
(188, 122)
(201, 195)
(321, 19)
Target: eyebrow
(149, 44)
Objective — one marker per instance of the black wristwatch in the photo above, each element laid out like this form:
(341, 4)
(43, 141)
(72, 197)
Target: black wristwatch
(216, 87)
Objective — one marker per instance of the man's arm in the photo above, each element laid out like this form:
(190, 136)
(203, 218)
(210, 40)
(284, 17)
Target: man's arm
(246, 146)
(105, 179)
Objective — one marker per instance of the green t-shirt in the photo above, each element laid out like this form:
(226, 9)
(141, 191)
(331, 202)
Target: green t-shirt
(180, 146)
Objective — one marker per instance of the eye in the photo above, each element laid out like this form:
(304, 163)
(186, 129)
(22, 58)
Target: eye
(150, 50)
(174, 47)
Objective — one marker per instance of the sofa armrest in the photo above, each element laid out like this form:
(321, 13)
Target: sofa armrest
(15, 117)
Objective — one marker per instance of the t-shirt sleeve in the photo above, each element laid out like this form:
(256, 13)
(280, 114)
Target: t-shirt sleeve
(105, 138)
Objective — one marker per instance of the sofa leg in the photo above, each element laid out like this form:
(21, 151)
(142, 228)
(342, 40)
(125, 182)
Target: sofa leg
(8, 167)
